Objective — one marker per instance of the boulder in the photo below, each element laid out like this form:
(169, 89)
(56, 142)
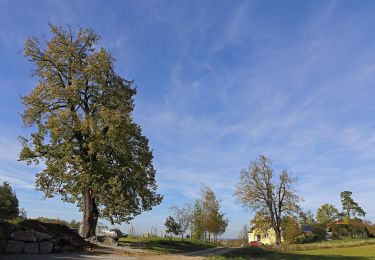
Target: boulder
(6, 230)
(39, 236)
(14, 247)
(31, 248)
(107, 240)
(46, 247)
(24, 235)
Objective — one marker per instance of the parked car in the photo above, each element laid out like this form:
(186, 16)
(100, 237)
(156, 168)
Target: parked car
(255, 243)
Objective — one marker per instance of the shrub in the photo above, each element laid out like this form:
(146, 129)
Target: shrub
(305, 239)
(319, 230)
(348, 230)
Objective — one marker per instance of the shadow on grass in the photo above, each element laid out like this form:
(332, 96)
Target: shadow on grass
(259, 253)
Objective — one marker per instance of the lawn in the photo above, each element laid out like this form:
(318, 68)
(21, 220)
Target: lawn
(350, 252)
(166, 245)
(338, 243)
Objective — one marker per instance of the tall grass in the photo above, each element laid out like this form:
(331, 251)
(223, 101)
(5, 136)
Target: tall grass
(324, 244)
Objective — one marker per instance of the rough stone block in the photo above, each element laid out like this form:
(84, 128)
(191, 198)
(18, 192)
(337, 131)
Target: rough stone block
(31, 248)
(39, 236)
(14, 247)
(3, 244)
(24, 235)
(46, 247)
(6, 230)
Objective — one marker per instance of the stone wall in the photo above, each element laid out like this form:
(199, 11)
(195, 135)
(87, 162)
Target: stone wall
(15, 239)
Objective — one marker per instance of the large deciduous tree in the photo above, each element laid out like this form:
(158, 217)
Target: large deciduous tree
(274, 195)
(81, 111)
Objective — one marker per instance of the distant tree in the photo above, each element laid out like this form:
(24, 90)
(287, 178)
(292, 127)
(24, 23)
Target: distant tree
(259, 190)
(198, 221)
(154, 231)
(94, 153)
(132, 232)
(327, 213)
(349, 206)
(215, 221)
(53, 220)
(208, 220)
(243, 234)
(23, 214)
(306, 218)
(74, 224)
(184, 217)
(8, 202)
(172, 227)
(290, 229)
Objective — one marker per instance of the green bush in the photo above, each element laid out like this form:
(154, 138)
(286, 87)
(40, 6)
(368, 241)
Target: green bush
(319, 230)
(347, 230)
(303, 239)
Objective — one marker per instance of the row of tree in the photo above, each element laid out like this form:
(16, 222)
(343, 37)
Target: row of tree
(204, 219)
(327, 213)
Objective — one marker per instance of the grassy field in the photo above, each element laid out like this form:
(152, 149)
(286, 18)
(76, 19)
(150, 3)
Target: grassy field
(166, 245)
(341, 249)
(327, 244)
(350, 253)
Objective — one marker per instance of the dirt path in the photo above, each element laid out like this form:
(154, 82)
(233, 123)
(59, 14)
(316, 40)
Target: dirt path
(197, 255)
(123, 253)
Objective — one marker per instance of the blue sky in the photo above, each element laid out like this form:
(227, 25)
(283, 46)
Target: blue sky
(219, 82)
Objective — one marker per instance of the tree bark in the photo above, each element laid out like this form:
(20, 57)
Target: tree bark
(278, 236)
(90, 214)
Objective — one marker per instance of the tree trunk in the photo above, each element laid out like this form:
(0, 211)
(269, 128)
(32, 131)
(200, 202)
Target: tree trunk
(90, 214)
(277, 236)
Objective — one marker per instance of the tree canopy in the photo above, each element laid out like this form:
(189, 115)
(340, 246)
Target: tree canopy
(327, 213)
(81, 110)
(349, 206)
(172, 226)
(207, 217)
(260, 190)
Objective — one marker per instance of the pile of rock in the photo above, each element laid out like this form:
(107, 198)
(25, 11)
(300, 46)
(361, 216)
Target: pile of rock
(63, 237)
(35, 237)
(17, 239)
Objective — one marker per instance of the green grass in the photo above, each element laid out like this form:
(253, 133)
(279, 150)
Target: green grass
(326, 244)
(166, 245)
(335, 250)
(352, 253)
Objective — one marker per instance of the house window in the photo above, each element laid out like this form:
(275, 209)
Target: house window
(258, 237)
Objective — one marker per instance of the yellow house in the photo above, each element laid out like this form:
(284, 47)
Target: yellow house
(267, 238)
